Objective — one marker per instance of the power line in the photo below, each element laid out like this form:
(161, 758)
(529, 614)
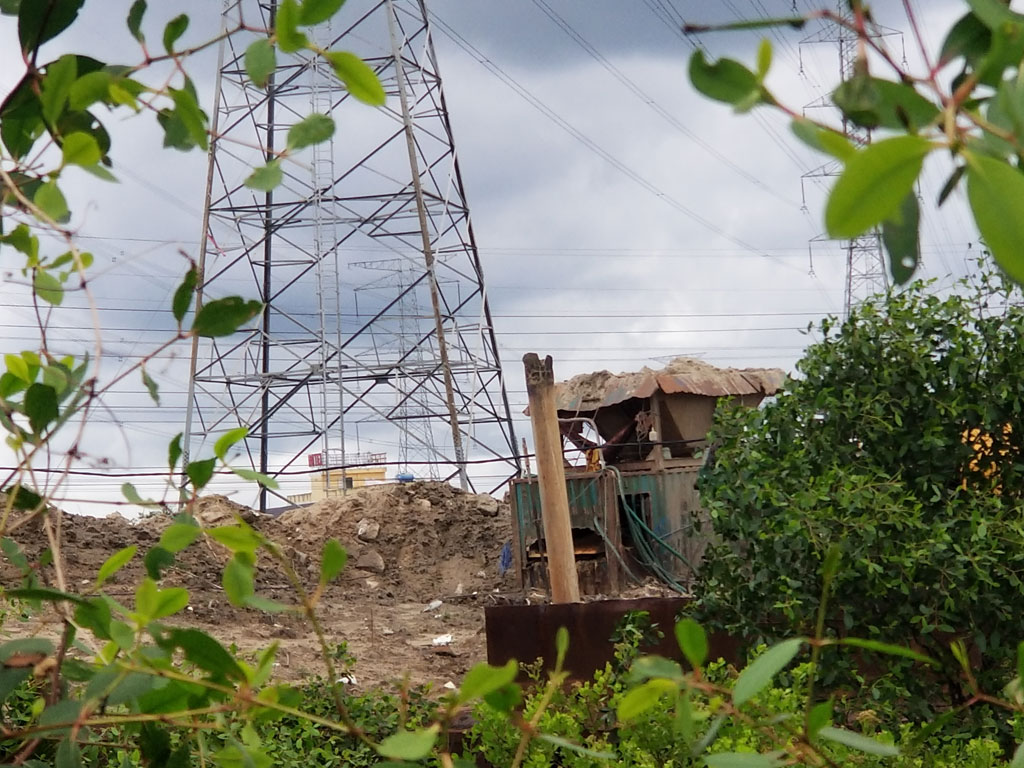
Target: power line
(558, 120)
(650, 101)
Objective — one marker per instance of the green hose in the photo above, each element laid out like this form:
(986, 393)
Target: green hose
(643, 535)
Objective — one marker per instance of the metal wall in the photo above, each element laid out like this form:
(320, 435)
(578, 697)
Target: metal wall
(666, 499)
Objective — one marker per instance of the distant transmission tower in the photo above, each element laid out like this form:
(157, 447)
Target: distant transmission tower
(413, 365)
(866, 273)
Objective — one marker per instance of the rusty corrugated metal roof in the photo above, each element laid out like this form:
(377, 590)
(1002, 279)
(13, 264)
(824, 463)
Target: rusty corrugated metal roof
(591, 391)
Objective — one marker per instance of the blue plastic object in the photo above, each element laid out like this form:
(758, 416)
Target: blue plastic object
(405, 477)
(505, 561)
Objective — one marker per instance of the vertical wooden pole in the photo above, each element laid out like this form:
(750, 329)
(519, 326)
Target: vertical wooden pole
(554, 500)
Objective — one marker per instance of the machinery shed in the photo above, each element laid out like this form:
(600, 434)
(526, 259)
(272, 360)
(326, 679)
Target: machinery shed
(633, 445)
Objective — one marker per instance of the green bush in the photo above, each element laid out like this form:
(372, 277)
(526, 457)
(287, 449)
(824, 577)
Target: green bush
(866, 450)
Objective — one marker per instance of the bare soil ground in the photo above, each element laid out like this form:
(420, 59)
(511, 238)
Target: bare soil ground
(420, 542)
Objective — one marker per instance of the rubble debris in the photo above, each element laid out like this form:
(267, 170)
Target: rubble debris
(371, 560)
(487, 505)
(368, 530)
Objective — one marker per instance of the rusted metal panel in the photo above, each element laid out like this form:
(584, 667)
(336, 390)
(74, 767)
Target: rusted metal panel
(590, 392)
(527, 632)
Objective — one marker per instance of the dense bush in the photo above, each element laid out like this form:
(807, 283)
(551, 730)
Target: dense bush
(868, 448)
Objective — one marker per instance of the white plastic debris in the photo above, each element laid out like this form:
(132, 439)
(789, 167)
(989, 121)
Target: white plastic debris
(347, 679)
(441, 640)
(433, 605)
(449, 685)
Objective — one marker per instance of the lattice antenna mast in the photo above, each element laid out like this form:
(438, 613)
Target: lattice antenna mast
(390, 187)
(865, 259)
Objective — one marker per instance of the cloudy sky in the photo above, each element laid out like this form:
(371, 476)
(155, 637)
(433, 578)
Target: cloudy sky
(622, 219)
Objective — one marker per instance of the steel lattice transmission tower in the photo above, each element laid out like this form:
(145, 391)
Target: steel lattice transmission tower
(412, 365)
(866, 273)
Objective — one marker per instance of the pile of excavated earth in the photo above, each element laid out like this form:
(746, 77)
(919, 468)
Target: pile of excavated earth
(424, 560)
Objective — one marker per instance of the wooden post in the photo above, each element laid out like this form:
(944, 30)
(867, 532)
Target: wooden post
(554, 500)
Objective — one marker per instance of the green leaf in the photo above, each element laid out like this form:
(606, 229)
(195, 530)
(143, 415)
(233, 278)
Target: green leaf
(561, 646)
(135, 15)
(187, 109)
(17, 366)
(332, 561)
(200, 472)
(94, 615)
(969, 38)
(289, 39)
(505, 699)
(157, 560)
(169, 601)
(45, 594)
(887, 648)
(874, 183)
(69, 754)
(227, 440)
(151, 385)
(237, 538)
(655, 666)
(174, 451)
(901, 240)
(819, 716)
(266, 177)
(178, 536)
(255, 477)
(759, 673)
(223, 317)
(741, 760)
(122, 634)
(56, 86)
(313, 129)
(483, 679)
(47, 287)
(693, 642)
(10, 679)
(114, 563)
(88, 89)
(51, 202)
(558, 741)
(996, 195)
(260, 62)
(901, 107)
(131, 494)
(155, 603)
(726, 80)
(174, 30)
(238, 577)
(26, 646)
(1016, 762)
(261, 603)
(41, 407)
(1020, 661)
(22, 240)
(358, 76)
(639, 700)
(313, 12)
(183, 294)
(764, 58)
(857, 741)
(13, 553)
(410, 745)
(205, 652)
(42, 21)
(873, 103)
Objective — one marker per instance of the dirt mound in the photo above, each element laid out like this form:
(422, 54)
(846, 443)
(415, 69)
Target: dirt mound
(425, 540)
(408, 545)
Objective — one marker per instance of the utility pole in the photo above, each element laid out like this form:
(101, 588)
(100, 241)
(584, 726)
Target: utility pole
(554, 499)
